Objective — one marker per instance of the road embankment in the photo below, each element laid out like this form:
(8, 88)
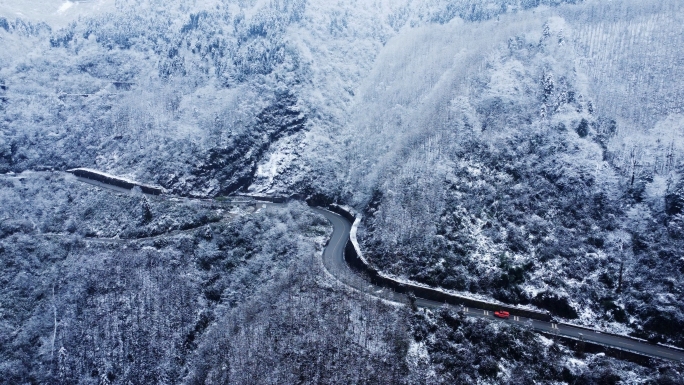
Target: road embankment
(355, 259)
(111, 180)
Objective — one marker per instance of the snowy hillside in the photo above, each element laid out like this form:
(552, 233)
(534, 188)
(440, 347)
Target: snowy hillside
(535, 156)
(513, 157)
(526, 151)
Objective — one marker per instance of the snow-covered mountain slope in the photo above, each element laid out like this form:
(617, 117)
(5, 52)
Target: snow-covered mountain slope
(533, 156)
(57, 13)
(526, 150)
(190, 102)
(420, 112)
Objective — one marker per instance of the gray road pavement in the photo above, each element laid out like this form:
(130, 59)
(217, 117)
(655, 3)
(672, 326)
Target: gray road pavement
(333, 260)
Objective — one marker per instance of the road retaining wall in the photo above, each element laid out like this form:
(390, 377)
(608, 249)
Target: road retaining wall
(583, 346)
(114, 181)
(265, 198)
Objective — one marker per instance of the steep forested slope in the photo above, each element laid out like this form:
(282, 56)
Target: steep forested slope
(243, 300)
(510, 171)
(190, 102)
(526, 151)
(87, 309)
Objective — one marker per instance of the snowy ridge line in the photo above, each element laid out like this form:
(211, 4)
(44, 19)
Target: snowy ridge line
(113, 180)
(354, 257)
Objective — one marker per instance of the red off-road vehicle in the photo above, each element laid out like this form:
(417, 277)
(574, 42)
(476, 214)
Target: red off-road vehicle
(502, 314)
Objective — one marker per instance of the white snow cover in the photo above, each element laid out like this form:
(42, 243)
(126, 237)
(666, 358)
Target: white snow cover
(481, 298)
(113, 176)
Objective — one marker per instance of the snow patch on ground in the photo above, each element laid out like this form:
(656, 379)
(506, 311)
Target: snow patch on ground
(63, 8)
(56, 13)
(283, 154)
(546, 341)
(575, 365)
(417, 355)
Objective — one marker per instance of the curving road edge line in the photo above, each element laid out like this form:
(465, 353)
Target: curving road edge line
(343, 252)
(343, 259)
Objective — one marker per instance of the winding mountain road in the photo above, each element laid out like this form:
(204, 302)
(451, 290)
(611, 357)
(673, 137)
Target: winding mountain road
(334, 262)
(336, 265)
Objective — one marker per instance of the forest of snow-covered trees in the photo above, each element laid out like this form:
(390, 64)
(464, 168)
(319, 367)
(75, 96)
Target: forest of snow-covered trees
(241, 299)
(529, 176)
(525, 151)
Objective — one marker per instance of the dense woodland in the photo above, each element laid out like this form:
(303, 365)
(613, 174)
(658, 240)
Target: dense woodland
(529, 152)
(524, 186)
(244, 300)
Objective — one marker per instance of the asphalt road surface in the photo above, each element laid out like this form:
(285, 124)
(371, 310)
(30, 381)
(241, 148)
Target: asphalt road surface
(333, 260)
